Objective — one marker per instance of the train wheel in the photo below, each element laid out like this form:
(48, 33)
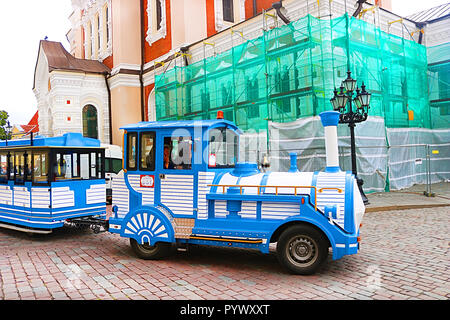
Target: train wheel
(302, 249)
(147, 252)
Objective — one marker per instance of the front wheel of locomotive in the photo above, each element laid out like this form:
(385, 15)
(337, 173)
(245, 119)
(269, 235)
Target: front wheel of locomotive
(150, 252)
(302, 249)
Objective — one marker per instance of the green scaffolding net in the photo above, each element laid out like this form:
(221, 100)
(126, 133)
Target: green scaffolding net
(290, 72)
(439, 84)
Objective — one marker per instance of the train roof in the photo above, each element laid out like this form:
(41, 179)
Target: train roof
(71, 139)
(182, 124)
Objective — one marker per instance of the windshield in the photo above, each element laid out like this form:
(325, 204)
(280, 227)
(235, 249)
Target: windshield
(223, 148)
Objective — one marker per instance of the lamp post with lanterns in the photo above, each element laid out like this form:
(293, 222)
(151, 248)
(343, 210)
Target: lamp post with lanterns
(342, 102)
(8, 129)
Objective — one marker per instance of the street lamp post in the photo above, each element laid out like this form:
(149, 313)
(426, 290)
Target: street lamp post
(7, 131)
(342, 102)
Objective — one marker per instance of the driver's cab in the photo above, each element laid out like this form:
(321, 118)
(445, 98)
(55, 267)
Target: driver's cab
(170, 163)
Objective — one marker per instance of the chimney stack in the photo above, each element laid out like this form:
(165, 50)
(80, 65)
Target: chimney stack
(330, 120)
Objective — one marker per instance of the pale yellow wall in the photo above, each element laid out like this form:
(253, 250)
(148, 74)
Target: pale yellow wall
(125, 109)
(189, 21)
(76, 43)
(126, 32)
(386, 4)
(75, 35)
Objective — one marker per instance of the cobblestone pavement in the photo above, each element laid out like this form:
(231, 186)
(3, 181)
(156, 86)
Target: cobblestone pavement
(404, 255)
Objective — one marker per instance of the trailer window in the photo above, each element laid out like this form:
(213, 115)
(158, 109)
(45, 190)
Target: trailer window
(40, 167)
(63, 166)
(177, 153)
(131, 151)
(3, 167)
(78, 164)
(99, 164)
(223, 148)
(22, 171)
(147, 151)
(84, 166)
(94, 165)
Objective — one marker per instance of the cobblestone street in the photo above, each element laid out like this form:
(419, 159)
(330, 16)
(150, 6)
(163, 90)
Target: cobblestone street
(404, 255)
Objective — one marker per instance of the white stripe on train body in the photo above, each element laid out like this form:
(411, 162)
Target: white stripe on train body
(177, 193)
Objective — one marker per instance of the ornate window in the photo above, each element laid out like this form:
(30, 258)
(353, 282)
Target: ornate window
(228, 12)
(96, 23)
(157, 25)
(90, 123)
(105, 31)
(87, 40)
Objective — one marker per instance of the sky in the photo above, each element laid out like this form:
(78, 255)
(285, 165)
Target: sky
(24, 23)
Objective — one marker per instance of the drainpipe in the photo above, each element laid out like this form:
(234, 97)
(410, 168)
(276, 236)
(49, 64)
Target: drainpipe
(278, 6)
(420, 25)
(106, 74)
(184, 50)
(255, 9)
(141, 71)
(360, 6)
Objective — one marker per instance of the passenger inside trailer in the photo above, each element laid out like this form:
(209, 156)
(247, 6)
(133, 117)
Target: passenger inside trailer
(33, 165)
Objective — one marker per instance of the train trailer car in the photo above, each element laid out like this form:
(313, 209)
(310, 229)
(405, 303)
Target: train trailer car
(182, 184)
(48, 182)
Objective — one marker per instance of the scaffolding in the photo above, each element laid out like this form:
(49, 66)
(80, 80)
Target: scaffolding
(439, 84)
(290, 72)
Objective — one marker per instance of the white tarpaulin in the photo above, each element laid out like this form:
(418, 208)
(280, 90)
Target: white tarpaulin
(380, 160)
(408, 159)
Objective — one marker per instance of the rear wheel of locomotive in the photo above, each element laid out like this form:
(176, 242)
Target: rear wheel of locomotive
(147, 252)
(302, 249)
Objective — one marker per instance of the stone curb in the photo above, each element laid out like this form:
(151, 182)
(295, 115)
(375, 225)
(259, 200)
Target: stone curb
(406, 207)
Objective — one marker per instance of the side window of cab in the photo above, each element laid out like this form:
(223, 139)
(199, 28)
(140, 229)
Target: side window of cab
(177, 153)
(147, 151)
(132, 144)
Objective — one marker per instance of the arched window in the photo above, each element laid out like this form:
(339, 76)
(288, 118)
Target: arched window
(90, 128)
(50, 123)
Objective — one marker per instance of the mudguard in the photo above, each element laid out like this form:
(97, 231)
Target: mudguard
(147, 224)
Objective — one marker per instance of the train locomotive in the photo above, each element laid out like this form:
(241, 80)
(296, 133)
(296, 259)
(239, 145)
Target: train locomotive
(182, 184)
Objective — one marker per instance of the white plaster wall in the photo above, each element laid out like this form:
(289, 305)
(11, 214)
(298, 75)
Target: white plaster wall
(78, 89)
(437, 33)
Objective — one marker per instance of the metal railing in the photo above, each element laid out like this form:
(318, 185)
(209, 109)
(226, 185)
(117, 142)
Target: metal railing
(316, 190)
(433, 159)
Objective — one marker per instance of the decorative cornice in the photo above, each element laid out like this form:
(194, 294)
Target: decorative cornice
(124, 80)
(126, 68)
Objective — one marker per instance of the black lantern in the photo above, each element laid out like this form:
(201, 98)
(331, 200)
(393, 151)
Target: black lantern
(364, 97)
(7, 132)
(342, 99)
(342, 102)
(334, 101)
(357, 100)
(349, 83)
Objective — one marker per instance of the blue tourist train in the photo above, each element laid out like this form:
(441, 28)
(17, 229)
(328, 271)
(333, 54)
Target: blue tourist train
(182, 183)
(45, 182)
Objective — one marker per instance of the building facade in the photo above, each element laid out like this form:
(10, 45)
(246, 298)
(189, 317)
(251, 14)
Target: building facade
(134, 40)
(126, 54)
